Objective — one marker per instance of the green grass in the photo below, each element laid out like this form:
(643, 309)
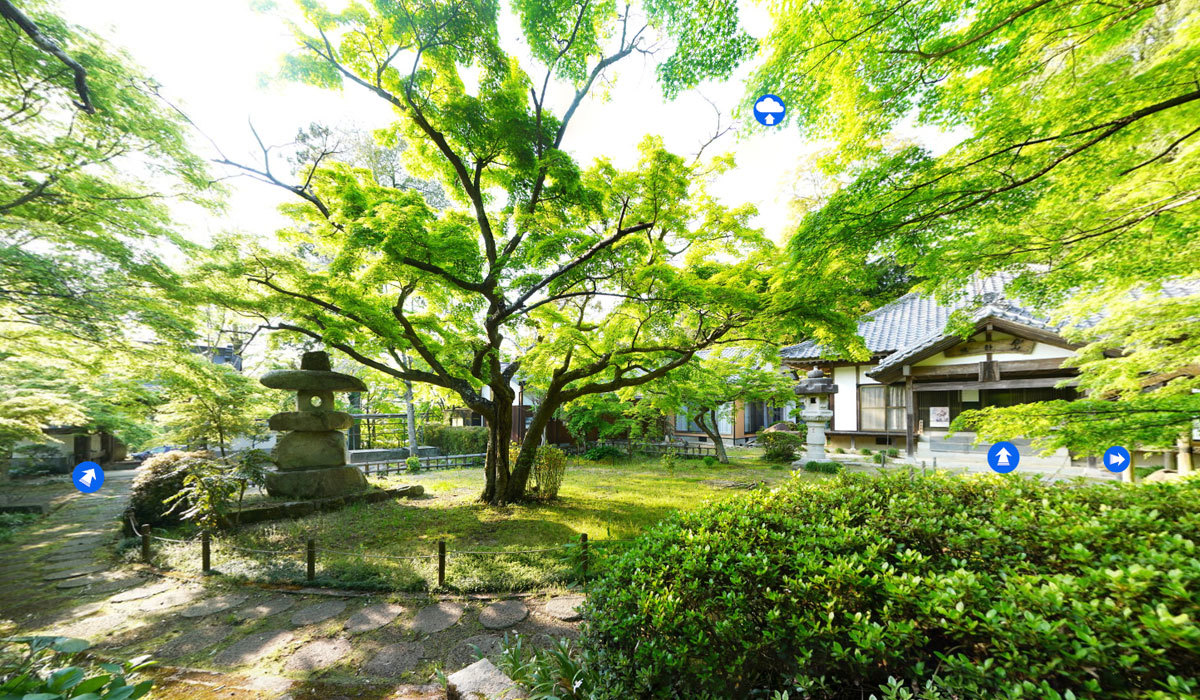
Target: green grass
(609, 501)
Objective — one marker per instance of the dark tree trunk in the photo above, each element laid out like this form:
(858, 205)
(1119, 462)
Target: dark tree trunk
(702, 420)
(496, 488)
(529, 447)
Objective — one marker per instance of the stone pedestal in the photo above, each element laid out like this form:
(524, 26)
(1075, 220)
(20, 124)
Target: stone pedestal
(815, 419)
(311, 454)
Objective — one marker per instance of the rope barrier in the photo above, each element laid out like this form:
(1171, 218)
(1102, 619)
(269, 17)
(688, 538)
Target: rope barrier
(376, 556)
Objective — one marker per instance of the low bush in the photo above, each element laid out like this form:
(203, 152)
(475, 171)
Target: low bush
(893, 452)
(455, 439)
(560, 671)
(709, 460)
(839, 450)
(158, 479)
(779, 446)
(822, 467)
(600, 452)
(53, 668)
(985, 587)
(413, 463)
(864, 451)
(549, 466)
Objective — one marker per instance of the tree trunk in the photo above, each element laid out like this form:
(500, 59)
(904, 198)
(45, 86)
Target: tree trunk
(411, 418)
(702, 421)
(529, 447)
(496, 488)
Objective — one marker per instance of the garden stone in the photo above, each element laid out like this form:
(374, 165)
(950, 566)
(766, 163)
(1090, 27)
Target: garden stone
(194, 639)
(504, 613)
(318, 655)
(373, 617)
(306, 450)
(67, 564)
(116, 584)
(319, 612)
(253, 647)
(437, 617)
(170, 599)
(308, 420)
(214, 605)
(471, 649)
(143, 592)
(266, 608)
(82, 581)
(316, 483)
(72, 573)
(395, 660)
(565, 607)
(483, 680)
(93, 627)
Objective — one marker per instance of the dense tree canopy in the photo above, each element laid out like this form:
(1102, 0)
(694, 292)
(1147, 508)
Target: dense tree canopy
(585, 279)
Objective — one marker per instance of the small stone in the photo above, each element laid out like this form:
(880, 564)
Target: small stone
(373, 617)
(437, 617)
(214, 605)
(565, 607)
(395, 660)
(482, 678)
(504, 613)
(319, 612)
(72, 573)
(471, 649)
(253, 647)
(266, 608)
(194, 639)
(310, 421)
(318, 655)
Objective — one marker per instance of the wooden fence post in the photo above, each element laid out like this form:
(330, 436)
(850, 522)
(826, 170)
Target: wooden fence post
(312, 558)
(146, 543)
(584, 547)
(441, 563)
(205, 553)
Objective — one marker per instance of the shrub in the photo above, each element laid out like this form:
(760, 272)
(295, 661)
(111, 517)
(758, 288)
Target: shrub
(158, 479)
(456, 440)
(864, 451)
(561, 671)
(600, 452)
(549, 466)
(669, 460)
(838, 450)
(989, 587)
(880, 457)
(413, 463)
(51, 668)
(823, 467)
(779, 446)
(893, 452)
(709, 460)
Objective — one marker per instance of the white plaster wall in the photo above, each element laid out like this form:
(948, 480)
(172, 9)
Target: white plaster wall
(845, 403)
(1040, 351)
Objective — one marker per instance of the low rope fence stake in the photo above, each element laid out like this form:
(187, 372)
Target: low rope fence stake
(583, 545)
(312, 559)
(441, 563)
(205, 554)
(146, 544)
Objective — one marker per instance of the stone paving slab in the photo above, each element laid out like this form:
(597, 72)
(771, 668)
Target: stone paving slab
(215, 604)
(172, 598)
(373, 617)
(193, 640)
(73, 572)
(471, 649)
(318, 613)
(483, 679)
(266, 608)
(395, 660)
(504, 613)
(318, 655)
(437, 617)
(565, 607)
(143, 592)
(253, 647)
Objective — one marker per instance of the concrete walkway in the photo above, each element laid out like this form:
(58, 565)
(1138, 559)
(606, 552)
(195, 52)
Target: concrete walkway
(65, 577)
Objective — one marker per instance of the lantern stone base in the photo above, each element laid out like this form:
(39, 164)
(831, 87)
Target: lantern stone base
(316, 483)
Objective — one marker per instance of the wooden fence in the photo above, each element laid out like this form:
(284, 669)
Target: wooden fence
(686, 450)
(397, 466)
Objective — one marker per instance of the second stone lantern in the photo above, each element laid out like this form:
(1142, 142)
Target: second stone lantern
(814, 392)
(311, 454)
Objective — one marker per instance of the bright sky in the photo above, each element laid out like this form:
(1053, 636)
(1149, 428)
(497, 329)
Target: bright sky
(214, 69)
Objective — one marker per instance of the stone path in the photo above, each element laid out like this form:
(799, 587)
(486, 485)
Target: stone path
(63, 576)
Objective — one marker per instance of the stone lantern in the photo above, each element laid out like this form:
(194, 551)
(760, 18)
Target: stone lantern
(814, 392)
(311, 454)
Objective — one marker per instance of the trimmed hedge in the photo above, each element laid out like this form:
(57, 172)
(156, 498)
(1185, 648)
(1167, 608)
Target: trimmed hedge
(779, 446)
(455, 439)
(159, 478)
(983, 587)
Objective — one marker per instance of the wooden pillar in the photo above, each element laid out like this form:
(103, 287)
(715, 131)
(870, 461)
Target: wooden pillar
(910, 414)
(1183, 456)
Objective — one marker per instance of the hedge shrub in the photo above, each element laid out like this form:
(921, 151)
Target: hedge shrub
(549, 467)
(455, 439)
(779, 446)
(822, 467)
(159, 478)
(986, 587)
(600, 452)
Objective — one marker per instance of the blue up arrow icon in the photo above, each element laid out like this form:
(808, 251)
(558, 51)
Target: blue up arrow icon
(1003, 457)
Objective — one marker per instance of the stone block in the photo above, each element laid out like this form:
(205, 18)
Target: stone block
(309, 421)
(308, 450)
(316, 483)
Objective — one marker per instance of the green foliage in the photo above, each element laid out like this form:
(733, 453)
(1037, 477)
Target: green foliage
(413, 463)
(669, 460)
(549, 467)
(598, 417)
(880, 457)
(455, 440)
(709, 460)
(53, 668)
(893, 452)
(600, 452)
(158, 479)
(210, 485)
(999, 586)
(210, 404)
(823, 467)
(10, 523)
(560, 672)
(864, 451)
(779, 446)
(839, 450)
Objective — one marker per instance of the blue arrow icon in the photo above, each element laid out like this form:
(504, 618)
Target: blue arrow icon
(88, 477)
(1117, 459)
(1003, 457)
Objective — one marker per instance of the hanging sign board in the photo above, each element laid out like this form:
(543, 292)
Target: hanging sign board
(982, 347)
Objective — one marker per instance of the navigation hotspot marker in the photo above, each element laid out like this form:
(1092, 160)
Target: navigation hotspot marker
(1003, 457)
(88, 477)
(1117, 459)
(769, 110)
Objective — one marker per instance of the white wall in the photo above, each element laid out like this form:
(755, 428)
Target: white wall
(845, 402)
(1040, 351)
